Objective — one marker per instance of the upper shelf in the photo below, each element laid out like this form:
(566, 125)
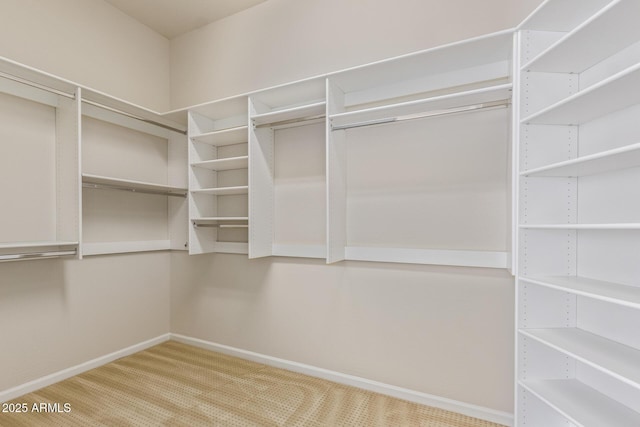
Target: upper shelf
(614, 293)
(605, 161)
(131, 185)
(561, 15)
(236, 135)
(229, 163)
(620, 91)
(610, 357)
(610, 30)
(582, 405)
(293, 113)
(604, 226)
(466, 54)
(434, 104)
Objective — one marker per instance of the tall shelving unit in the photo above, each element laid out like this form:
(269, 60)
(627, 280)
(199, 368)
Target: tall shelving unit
(218, 178)
(578, 224)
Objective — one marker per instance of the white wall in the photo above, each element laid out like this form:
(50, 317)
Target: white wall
(439, 330)
(60, 313)
(91, 43)
(280, 41)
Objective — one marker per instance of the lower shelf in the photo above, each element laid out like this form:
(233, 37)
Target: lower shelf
(610, 357)
(105, 248)
(490, 259)
(581, 404)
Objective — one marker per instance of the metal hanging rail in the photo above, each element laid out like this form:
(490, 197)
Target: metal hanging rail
(180, 193)
(301, 121)
(86, 101)
(37, 255)
(195, 224)
(454, 110)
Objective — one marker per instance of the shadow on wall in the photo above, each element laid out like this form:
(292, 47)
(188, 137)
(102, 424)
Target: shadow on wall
(28, 281)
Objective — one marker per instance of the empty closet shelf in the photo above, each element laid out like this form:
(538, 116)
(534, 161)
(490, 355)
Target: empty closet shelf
(611, 292)
(605, 161)
(223, 191)
(610, 226)
(471, 100)
(103, 182)
(287, 114)
(581, 404)
(605, 355)
(241, 162)
(601, 33)
(35, 244)
(104, 248)
(230, 136)
(615, 93)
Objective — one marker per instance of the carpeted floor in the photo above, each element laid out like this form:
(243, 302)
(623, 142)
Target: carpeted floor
(174, 384)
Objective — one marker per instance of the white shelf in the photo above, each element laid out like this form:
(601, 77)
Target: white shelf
(300, 251)
(106, 248)
(232, 248)
(615, 93)
(562, 15)
(612, 226)
(487, 259)
(610, 30)
(223, 191)
(230, 163)
(317, 108)
(433, 104)
(581, 404)
(615, 293)
(231, 136)
(610, 357)
(35, 245)
(606, 161)
(132, 185)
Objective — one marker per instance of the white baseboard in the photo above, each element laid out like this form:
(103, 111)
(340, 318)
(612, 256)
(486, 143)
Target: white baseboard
(480, 412)
(39, 383)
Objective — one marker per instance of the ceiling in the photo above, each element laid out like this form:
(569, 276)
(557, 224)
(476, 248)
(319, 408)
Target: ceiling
(172, 18)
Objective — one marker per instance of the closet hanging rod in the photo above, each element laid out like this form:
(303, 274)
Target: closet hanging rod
(290, 121)
(96, 104)
(36, 85)
(133, 116)
(36, 255)
(195, 224)
(182, 193)
(454, 110)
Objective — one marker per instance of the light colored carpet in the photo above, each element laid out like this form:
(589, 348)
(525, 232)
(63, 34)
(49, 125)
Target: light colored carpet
(173, 384)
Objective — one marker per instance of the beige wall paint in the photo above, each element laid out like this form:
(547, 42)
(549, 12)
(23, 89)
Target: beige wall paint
(91, 43)
(439, 330)
(60, 313)
(57, 314)
(280, 41)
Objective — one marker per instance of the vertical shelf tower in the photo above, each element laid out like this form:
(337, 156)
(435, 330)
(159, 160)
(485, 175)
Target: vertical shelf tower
(578, 215)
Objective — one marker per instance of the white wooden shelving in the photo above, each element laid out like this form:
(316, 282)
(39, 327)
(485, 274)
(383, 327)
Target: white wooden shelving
(131, 185)
(615, 293)
(218, 177)
(577, 294)
(582, 405)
